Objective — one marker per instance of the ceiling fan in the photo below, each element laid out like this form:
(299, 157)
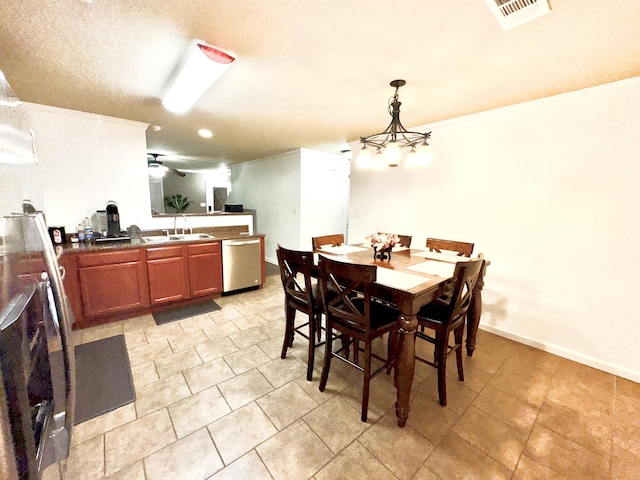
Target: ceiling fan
(156, 164)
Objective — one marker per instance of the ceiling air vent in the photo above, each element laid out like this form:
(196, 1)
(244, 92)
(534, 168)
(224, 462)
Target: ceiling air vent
(511, 13)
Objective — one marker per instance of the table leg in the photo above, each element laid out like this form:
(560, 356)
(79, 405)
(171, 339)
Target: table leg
(405, 367)
(475, 311)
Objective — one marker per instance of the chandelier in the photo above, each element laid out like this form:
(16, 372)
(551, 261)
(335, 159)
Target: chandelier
(390, 143)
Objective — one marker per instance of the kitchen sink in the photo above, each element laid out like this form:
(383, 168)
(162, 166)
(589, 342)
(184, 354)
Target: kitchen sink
(175, 238)
(191, 236)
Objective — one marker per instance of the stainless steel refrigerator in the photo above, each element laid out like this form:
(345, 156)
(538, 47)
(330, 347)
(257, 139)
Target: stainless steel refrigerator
(37, 370)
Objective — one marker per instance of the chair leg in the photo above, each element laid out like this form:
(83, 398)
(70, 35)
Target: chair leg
(367, 380)
(290, 316)
(328, 346)
(319, 326)
(441, 362)
(356, 351)
(458, 333)
(392, 346)
(312, 346)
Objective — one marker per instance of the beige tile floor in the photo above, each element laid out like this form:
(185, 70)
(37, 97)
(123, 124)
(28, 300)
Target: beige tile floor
(215, 401)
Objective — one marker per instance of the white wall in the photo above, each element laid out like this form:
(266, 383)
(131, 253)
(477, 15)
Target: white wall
(548, 190)
(324, 194)
(271, 187)
(87, 160)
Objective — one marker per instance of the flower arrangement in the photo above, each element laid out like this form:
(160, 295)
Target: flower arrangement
(382, 241)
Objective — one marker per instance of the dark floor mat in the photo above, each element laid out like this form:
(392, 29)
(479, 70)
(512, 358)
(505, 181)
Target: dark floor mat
(180, 313)
(103, 377)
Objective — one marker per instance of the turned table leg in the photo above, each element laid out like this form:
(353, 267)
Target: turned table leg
(405, 366)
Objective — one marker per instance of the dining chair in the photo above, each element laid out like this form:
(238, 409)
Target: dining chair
(405, 240)
(334, 240)
(444, 317)
(350, 309)
(303, 295)
(462, 249)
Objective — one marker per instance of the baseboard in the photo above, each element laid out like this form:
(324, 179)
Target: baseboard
(564, 353)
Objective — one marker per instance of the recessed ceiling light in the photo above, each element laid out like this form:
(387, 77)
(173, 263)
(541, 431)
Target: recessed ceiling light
(205, 133)
(156, 128)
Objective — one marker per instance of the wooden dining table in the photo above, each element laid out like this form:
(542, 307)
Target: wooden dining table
(410, 279)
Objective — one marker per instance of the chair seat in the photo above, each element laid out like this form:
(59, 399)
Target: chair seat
(381, 315)
(301, 304)
(435, 311)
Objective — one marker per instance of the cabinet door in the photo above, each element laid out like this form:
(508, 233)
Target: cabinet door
(167, 280)
(114, 288)
(205, 269)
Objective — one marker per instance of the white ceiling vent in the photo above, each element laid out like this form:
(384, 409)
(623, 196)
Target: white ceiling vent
(511, 13)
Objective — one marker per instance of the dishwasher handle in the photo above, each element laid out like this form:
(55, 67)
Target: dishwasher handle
(233, 243)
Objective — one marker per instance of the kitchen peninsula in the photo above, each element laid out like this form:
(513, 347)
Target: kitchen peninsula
(107, 282)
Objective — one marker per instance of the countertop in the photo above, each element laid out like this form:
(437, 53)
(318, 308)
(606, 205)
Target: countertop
(69, 248)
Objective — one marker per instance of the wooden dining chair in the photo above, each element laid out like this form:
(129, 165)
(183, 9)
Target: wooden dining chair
(462, 249)
(444, 317)
(350, 310)
(405, 240)
(334, 240)
(303, 295)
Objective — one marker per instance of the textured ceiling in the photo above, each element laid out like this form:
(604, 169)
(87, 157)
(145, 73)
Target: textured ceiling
(309, 73)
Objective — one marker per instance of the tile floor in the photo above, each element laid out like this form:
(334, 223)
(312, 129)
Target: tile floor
(215, 401)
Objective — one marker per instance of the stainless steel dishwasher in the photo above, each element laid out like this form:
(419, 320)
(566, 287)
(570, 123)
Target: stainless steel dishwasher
(241, 264)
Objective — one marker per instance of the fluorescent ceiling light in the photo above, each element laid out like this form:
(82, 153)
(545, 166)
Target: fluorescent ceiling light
(204, 64)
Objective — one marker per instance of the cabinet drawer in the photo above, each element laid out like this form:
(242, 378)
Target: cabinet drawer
(108, 258)
(164, 252)
(200, 248)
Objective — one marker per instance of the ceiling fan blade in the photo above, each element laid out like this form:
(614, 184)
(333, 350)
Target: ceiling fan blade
(176, 172)
(155, 162)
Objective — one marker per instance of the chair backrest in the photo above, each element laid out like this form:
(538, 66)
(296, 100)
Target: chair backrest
(463, 249)
(405, 240)
(465, 275)
(346, 293)
(333, 240)
(295, 273)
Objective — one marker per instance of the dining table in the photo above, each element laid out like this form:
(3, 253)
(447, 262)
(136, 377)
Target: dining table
(409, 279)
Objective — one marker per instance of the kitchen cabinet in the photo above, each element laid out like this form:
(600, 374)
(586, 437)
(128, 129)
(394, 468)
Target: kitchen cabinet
(109, 284)
(205, 268)
(168, 278)
(112, 282)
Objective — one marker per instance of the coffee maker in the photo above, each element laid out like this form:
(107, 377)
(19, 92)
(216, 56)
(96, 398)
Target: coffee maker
(113, 219)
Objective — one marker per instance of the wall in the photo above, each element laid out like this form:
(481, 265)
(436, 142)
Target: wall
(324, 194)
(548, 190)
(271, 187)
(191, 186)
(87, 160)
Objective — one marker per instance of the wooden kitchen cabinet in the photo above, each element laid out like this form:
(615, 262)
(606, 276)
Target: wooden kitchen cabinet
(112, 282)
(205, 268)
(168, 279)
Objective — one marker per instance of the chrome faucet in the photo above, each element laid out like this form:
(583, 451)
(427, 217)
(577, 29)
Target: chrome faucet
(175, 225)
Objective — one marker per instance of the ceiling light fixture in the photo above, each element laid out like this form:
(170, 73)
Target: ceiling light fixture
(388, 145)
(205, 133)
(202, 66)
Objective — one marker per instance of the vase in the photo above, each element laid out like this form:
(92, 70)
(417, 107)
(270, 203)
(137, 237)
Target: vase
(382, 253)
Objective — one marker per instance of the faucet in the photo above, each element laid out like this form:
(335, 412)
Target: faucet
(175, 225)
